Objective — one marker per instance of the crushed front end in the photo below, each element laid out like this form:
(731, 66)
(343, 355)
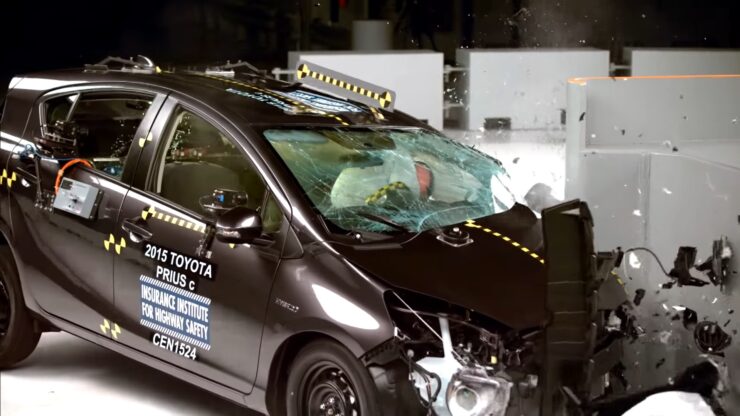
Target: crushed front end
(462, 362)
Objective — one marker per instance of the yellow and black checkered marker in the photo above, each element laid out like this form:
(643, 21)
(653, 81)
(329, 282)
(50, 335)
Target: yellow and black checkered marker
(384, 191)
(143, 141)
(111, 241)
(150, 212)
(8, 180)
(295, 103)
(520, 246)
(113, 329)
(341, 84)
(377, 114)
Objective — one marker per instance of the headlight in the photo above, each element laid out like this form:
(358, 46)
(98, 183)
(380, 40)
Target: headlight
(472, 392)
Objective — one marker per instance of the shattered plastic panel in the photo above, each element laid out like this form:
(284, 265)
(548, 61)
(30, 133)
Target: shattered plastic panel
(385, 180)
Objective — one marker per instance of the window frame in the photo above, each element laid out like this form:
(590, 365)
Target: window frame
(132, 157)
(157, 161)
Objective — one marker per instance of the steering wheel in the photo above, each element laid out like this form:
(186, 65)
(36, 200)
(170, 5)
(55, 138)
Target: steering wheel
(385, 191)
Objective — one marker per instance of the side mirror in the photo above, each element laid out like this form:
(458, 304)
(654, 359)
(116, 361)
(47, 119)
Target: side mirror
(239, 225)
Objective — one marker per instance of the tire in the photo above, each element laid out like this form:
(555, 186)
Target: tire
(325, 373)
(18, 338)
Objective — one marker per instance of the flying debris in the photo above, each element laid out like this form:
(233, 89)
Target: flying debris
(689, 318)
(710, 338)
(682, 265)
(639, 295)
(716, 267)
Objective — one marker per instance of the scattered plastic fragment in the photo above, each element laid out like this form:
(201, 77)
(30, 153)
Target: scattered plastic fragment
(710, 338)
(716, 267)
(685, 259)
(660, 363)
(639, 295)
(689, 318)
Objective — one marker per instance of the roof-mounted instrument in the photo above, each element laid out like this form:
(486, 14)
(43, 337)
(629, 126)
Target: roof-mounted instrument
(345, 86)
(140, 65)
(229, 69)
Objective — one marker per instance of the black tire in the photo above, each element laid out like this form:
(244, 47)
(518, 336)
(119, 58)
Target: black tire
(18, 337)
(326, 373)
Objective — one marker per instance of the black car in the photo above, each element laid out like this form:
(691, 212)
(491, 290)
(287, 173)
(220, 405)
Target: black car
(289, 250)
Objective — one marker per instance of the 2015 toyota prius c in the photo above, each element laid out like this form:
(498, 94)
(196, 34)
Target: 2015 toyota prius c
(293, 251)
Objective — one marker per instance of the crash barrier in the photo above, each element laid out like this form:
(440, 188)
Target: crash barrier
(415, 76)
(675, 61)
(519, 88)
(658, 161)
(581, 292)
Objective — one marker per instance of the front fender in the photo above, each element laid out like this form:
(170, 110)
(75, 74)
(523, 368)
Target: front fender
(327, 295)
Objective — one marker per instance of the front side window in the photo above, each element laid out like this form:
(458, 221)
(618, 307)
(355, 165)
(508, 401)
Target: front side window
(383, 179)
(197, 160)
(104, 125)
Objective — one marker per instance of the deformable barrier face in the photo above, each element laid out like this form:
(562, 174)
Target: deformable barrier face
(658, 160)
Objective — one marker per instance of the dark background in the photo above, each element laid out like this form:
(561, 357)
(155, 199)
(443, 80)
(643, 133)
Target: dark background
(41, 35)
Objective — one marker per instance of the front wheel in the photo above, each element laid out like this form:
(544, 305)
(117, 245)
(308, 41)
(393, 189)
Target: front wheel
(327, 380)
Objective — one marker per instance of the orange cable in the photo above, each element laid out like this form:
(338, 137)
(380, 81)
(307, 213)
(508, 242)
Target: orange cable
(67, 165)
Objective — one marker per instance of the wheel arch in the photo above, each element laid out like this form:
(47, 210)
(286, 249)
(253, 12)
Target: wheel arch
(40, 322)
(281, 362)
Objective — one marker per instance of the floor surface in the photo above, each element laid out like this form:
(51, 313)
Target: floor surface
(69, 376)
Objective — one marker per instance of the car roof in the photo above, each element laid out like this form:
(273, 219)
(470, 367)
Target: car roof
(256, 100)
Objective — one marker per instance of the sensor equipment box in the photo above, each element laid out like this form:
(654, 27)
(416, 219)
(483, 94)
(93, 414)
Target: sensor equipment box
(76, 198)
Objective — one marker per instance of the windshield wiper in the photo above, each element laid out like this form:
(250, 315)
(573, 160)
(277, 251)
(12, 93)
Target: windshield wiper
(384, 220)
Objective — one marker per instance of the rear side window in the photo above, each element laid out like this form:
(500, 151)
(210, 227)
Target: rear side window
(105, 124)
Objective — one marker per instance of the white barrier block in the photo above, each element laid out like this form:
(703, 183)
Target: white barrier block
(527, 86)
(675, 61)
(415, 76)
(658, 161)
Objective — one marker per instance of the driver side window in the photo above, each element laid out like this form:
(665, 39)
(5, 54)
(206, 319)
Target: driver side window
(199, 159)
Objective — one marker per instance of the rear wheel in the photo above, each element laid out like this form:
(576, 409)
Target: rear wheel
(327, 380)
(18, 338)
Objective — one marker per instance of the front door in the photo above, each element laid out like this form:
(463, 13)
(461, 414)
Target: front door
(67, 258)
(199, 304)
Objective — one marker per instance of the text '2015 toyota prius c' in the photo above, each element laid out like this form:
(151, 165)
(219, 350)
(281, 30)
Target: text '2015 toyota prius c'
(294, 251)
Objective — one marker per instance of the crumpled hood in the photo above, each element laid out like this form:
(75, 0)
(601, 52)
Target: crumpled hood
(501, 274)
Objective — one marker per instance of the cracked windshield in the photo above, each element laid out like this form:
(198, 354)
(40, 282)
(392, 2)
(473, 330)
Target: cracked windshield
(390, 180)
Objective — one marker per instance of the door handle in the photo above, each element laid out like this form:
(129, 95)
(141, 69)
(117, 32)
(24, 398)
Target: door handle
(137, 232)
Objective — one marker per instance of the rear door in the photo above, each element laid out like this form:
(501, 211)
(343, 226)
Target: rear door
(197, 304)
(67, 259)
